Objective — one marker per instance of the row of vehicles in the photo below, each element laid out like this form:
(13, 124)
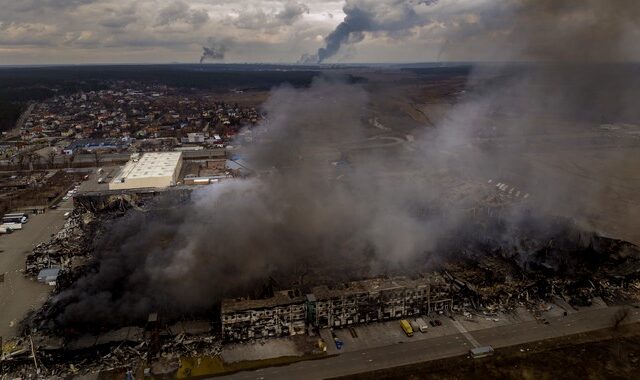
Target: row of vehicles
(13, 221)
(71, 192)
(418, 324)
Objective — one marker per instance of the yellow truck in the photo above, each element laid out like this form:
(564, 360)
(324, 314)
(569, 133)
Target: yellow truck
(406, 326)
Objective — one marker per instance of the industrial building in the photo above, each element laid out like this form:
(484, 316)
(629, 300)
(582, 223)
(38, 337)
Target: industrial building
(352, 303)
(281, 315)
(156, 169)
(377, 300)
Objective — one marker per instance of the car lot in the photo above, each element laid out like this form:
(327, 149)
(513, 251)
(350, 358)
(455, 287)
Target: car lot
(106, 174)
(383, 334)
(18, 295)
(388, 333)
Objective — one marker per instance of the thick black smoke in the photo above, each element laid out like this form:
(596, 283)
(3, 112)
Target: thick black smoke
(393, 17)
(303, 212)
(380, 209)
(215, 49)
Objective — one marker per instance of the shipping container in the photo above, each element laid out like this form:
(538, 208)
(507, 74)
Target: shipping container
(12, 226)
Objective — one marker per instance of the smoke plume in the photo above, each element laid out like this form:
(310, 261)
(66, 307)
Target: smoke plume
(215, 49)
(301, 213)
(332, 194)
(391, 17)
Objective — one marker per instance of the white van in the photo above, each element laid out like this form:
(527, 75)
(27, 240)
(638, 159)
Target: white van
(422, 325)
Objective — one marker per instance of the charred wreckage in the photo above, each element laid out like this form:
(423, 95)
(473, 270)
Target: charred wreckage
(484, 272)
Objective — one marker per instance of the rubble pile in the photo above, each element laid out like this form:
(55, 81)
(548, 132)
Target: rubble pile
(90, 355)
(532, 272)
(185, 345)
(66, 248)
(489, 266)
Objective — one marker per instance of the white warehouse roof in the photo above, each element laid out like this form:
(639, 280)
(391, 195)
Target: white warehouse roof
(159, 164)
(154, 169)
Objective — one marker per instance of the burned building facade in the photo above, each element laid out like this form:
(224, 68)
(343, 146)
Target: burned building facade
(377, 300)
(281, 315)
(352, 303)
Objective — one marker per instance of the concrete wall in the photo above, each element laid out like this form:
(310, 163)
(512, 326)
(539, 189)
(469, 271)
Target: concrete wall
(136, 183)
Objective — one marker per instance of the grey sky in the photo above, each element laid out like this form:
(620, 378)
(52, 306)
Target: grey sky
(134, 31)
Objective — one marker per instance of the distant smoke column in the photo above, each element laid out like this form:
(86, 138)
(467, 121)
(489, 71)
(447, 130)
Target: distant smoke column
(362, 16)
(308, 59)
(354, 23)
(215, 50)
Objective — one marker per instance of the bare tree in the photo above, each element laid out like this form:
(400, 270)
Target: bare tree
(51, 158)
(21, 161)
(31, 159)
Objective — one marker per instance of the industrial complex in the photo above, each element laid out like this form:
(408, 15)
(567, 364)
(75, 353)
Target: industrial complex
(157, 230)
(357, 302)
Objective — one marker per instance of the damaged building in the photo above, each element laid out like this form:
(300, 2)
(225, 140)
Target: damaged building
(281, 315)
(351, 303)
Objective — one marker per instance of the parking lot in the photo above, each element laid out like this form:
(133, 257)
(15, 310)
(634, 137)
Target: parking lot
(107, 174)
(389, 333)
(383, 334)
(18, 295)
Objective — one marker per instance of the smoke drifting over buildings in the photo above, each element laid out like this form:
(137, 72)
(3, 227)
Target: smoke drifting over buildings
(302, 214)
(215, 49)
(370, 219)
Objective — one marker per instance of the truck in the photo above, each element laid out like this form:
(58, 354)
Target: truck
(422, 325)
(481, 352)
(12, 226)
(406, 326)
(16, 217)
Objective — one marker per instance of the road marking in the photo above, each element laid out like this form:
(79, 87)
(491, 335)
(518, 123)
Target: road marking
(466, 333)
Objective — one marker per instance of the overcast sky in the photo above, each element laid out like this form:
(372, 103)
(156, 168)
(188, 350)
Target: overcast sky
(162, 31)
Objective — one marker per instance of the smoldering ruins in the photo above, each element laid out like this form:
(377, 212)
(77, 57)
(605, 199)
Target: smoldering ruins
(457, 215)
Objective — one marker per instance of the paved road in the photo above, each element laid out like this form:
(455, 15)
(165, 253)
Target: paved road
(17, 294)
(437, 348)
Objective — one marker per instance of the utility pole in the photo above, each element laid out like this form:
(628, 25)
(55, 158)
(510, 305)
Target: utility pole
(33, 354)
